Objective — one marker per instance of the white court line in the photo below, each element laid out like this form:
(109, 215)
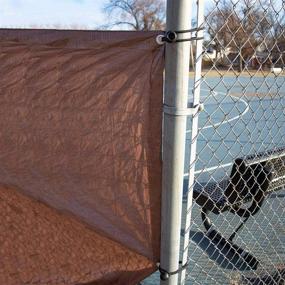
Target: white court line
(219, 124)
(210, 168)
(229, 120)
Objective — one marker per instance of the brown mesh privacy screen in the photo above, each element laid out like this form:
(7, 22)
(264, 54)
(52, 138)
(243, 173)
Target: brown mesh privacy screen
(80, 165)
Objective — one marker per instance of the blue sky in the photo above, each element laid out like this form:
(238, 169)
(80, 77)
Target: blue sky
(65, 14)
(52, 13)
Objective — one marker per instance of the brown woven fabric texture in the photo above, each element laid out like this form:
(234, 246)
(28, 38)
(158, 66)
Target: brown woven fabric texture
(80, 131)
(42, 246)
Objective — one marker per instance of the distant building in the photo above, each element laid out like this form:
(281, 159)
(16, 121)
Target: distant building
(214, 56)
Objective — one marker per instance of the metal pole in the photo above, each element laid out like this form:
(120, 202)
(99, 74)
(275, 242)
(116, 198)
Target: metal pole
(174, 133)
(194, 132)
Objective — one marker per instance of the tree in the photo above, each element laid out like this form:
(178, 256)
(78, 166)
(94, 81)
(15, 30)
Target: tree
(241, 26)
(217, 27)
(278, 38)
(140, 15)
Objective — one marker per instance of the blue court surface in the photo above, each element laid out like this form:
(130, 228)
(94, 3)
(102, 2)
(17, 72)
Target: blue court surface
(242, 116)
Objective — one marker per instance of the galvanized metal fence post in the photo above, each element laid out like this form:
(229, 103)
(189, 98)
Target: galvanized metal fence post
(194, 131)
(174, 132)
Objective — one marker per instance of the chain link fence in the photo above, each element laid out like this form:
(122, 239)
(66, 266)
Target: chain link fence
(237, 214)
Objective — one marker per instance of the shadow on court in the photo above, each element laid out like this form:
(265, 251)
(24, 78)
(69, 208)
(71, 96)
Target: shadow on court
(221, 253)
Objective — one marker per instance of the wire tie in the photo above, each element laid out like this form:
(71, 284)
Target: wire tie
(190, 111)
(172, 36)
(164, 274)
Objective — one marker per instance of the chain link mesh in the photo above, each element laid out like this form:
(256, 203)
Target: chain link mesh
(237, 232)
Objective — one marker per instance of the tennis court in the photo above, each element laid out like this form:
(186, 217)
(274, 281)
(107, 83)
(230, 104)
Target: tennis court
(242, 116)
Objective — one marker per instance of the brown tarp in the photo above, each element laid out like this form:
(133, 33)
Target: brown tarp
(80, 156)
